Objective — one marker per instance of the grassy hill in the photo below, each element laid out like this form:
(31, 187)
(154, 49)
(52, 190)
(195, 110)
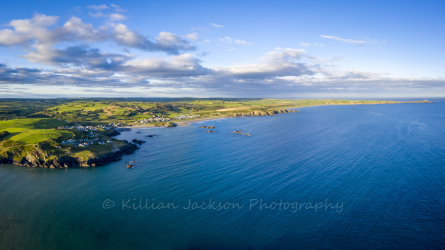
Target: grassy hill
(39, 142)
(34, 130)
(104, 111)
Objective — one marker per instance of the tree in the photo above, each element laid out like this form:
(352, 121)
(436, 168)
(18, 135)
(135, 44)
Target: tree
(3, 134)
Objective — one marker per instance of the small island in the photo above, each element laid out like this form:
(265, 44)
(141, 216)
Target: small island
(136, 141)
(209, 127)
(63, 133)
(239, 132)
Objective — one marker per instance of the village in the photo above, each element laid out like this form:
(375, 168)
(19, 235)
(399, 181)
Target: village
(86, 142)
(89, 128)
(163, 119)
(95, 139)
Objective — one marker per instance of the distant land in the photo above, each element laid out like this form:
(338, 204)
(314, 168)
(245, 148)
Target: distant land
(63, 133)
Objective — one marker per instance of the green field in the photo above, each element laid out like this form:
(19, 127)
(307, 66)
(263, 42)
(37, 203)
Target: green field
(127, 111)
(34, 130)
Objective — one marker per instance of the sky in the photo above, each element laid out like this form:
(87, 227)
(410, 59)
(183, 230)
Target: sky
(267, 49)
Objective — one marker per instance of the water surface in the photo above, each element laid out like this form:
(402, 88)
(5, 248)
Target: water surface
(377, 171)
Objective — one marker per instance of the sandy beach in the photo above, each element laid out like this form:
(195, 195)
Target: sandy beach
(178, 123)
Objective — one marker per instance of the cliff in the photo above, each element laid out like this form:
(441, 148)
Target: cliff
(40, 158)
(262, 113)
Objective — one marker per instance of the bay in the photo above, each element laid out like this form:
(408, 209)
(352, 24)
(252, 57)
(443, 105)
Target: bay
(368, 176)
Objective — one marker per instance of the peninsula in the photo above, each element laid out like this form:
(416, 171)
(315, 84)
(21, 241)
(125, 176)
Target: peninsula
(62, 133)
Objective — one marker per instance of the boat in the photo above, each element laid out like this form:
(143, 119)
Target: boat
(130, 164)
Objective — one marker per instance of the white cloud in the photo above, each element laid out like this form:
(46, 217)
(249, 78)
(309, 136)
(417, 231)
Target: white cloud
(279, 73)
(280, 62)
(42, 54)
(193, 36)
(124, 36)
(97, 14)
(81, 55)
(117, 17)
(287, 53)
(242, 42)
(357, 42)
(40, 35)
(9, 37)
(76, 29)
(169, 41)
(305, 44)
(27, 29)
(113, 16)
(37, 31)
(98, 7)
(117, 7)
(226, 39)
(165, 41)
(216, 25)
(180, 65)
(236, 41)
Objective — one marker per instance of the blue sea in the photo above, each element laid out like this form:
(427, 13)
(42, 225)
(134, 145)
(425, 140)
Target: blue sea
(337, 177)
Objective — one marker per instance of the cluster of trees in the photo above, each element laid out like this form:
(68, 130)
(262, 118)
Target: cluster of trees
(161, 108)
(199, 107)
(22, 108)
(3, 134)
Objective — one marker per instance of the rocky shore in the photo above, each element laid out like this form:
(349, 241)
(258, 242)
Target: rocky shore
(252, 113)
(38, 158)
(262, 113)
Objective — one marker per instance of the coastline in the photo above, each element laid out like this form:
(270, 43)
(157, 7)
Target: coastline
(40, 158)
(178, 124)
(289, 109)
(187, 122)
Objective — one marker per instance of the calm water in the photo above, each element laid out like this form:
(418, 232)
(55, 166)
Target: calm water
(375, 173)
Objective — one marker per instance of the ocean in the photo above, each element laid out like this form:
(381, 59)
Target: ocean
(338, 177)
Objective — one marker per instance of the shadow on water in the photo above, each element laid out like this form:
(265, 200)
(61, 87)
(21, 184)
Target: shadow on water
(9, 223)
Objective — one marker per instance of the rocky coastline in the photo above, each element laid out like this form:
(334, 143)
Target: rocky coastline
(262, 113)
(38, 158)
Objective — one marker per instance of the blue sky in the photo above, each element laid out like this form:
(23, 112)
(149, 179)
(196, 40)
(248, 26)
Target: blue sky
(276, 49)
